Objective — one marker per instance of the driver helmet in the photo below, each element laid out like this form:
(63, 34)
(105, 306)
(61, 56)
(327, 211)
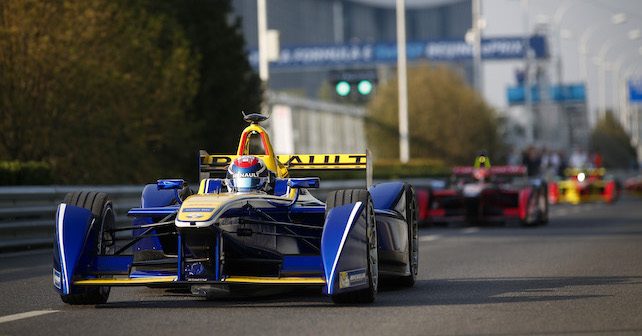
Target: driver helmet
(481, 170)
(481, 174)
(247, 173)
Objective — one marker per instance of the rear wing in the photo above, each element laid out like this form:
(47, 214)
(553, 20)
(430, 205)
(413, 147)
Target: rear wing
(215, 165)
(494, 170)
(572, 172)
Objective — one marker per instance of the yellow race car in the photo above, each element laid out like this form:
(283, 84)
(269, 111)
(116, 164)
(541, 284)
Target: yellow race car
(584, 185)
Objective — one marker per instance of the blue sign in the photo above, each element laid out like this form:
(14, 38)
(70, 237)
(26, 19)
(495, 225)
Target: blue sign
(572, 93)
(499, 48)
(635, 90)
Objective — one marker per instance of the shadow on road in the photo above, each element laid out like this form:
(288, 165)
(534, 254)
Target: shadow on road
(478, 291)
(472, 291)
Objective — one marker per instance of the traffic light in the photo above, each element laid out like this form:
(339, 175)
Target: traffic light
(343, 88)
(365, 87)
(353, 84)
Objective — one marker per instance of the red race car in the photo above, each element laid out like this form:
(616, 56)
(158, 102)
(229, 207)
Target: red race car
(483, 194)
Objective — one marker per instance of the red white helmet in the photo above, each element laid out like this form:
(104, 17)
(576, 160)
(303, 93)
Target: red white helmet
(247, 173)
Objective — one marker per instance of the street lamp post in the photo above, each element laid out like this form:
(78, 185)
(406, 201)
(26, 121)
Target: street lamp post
(634, 117)
(616, 19)
(262, 37)
(619, 86)
(557, 27)
(476, 35)
(404, 146)
(603, 64)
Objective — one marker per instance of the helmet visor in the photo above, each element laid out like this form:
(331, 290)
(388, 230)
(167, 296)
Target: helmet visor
(245, 184)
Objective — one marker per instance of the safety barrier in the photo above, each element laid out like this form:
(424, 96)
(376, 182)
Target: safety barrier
(27, 214)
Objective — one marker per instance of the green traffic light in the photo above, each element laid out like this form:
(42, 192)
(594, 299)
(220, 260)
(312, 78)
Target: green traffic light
(343, 88)
(365, 87)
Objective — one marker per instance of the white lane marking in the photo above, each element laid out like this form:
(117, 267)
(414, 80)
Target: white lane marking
(21, 316)
(429, 238)
(470, 230)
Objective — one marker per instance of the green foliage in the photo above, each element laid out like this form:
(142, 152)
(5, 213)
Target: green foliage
(86, 86)
(611, 141)
(227, 83)
(25, 173)
(448, 120)
(420, 168)
(120, 91)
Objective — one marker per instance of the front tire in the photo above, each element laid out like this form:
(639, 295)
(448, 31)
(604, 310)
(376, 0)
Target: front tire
(350, 196)
(102, 209)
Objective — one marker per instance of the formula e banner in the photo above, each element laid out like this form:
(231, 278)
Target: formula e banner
(499, 48)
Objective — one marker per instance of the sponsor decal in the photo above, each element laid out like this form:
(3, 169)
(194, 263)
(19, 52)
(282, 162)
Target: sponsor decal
(198, 210)
(196, 279)
(352, 278)
(321, 160)
(241, 175)
(56, 279)
(194, 216)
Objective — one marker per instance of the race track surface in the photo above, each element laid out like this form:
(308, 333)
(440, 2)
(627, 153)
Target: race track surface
(579, 275)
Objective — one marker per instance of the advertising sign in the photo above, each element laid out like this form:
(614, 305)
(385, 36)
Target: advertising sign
(498, 48)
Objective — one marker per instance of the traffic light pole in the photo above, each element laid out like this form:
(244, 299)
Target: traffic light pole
(404, 147)
(262, 36)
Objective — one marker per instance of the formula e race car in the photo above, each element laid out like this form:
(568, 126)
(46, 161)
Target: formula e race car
(584, 185)
(483, 194)
(257, 230)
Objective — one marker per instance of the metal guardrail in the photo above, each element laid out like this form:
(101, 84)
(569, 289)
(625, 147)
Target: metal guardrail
(27, 214)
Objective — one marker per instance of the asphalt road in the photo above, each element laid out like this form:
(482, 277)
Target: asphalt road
(580, 275)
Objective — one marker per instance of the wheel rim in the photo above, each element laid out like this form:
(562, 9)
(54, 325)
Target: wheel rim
(414, 257)
(106, 238)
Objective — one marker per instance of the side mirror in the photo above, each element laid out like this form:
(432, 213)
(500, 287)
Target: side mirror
(170, 184)
(307, 182)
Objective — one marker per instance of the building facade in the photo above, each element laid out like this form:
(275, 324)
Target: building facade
(345, 22)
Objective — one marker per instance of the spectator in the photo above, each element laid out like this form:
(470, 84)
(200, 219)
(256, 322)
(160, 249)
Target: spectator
(578, 159)
(531, 158)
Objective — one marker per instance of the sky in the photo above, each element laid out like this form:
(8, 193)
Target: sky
(591, 18)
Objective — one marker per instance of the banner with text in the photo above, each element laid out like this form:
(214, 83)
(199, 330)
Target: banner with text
(498, 48)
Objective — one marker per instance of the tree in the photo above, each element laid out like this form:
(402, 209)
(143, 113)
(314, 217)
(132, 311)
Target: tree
(448, 119)
(97, 88)
(610, 140)
(227, 84)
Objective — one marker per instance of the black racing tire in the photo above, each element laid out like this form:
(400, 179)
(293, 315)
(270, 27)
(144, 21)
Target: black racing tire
(532, 213)
(102, 209)
(349, 196)
(413, 242)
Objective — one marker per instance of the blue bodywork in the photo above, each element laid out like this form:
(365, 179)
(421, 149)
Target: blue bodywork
(71, 252)
(325, 244)
(343, 244)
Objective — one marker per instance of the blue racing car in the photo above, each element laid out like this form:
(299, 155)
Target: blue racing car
(249, 228)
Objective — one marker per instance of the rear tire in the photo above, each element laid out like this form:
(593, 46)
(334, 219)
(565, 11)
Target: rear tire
(413, 246)
(350, 196)
(543, 203)
(101, 207)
